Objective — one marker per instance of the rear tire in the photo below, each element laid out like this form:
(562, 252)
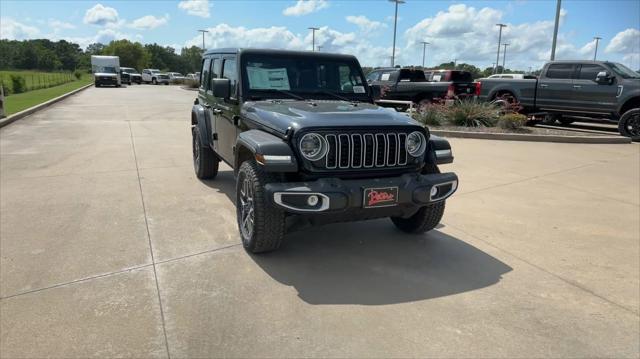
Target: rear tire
(629, 124)
(261, 225)
(427, 217)
(205, 161)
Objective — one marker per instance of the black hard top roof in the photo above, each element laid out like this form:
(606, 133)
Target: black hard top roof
(238, 50)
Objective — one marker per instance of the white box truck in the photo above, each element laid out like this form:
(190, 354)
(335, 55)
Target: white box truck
(106, 70)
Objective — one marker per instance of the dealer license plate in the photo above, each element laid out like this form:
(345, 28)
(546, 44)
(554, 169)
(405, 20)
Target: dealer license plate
(380, 197)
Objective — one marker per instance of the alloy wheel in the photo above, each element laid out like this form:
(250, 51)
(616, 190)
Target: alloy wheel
(247, 214)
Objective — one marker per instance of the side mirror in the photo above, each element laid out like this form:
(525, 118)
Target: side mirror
(376, 91)
(221, 88)
(603, 78)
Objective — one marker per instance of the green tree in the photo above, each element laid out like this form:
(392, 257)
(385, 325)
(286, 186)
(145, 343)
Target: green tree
(132, 54)
(192, 59)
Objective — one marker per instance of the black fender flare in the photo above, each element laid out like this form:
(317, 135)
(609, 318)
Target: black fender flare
(200, 118)
(439, 150)
(261, 145)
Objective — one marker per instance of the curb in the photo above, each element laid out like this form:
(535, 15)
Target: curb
(18, 115)
(531, 138)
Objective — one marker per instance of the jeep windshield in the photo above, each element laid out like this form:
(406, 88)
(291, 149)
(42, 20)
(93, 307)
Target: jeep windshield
(302, 77)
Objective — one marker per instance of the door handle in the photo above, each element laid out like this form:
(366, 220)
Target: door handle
(217, 111)
(544, 85)
(577, 86)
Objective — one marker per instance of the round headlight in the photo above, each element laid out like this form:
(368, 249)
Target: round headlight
(415, 144)
(313, 146)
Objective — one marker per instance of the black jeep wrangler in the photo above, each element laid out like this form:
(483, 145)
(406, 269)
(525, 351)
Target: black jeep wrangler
(307, 144)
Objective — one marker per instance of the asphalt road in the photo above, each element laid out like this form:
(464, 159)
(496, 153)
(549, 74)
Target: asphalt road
(110, 246)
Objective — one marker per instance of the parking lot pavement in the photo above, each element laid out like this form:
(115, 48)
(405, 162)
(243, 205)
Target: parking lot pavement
(110, 246)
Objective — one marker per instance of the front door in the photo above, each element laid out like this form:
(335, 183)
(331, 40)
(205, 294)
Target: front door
(555, 89)
(225, 110)
(591, 96)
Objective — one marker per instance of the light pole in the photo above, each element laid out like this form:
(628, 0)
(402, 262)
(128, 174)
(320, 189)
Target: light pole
(504, 56)
(313, 37)
(424, 51)
(596, 53)
(203, 32)
(499, 40)
(455, 63)
(555, 31)
(395, 25)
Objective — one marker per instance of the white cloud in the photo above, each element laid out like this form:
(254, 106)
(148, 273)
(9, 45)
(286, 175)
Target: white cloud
(364, 23)
(101, 15)
(304, 7)
(277, 37)
(470, 35)
(13, 30)
(58, 25)
(195, 7)
(149, 22)
(625, 42)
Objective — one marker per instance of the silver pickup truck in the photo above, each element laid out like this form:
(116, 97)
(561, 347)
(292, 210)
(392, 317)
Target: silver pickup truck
(595, 89)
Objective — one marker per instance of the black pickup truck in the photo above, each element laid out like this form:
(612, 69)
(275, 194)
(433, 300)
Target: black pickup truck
(412, 85)
(306, 143)
(596, 89)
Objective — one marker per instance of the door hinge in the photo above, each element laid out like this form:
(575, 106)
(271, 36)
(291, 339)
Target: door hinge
(214, 136)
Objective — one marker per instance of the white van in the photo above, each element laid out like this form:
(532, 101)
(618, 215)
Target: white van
(106, 70)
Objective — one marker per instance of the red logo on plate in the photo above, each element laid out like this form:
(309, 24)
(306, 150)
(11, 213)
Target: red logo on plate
(376, 197)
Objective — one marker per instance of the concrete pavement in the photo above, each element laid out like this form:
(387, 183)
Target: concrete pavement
(110, 246)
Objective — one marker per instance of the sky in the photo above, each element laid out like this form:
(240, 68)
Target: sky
(460, 30)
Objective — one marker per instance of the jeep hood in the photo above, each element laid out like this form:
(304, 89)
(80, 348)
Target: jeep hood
(281, 114)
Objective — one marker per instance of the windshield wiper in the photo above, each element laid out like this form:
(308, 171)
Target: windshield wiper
(290, 94)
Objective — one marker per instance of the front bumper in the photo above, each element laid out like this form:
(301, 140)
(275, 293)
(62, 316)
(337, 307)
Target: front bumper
(106, 80)
(342, 197)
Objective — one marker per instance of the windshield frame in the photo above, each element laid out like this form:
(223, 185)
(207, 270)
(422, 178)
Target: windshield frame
(623, 71)
(267, 94)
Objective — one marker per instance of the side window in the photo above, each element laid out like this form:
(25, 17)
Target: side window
(373, 76)
(230, 72)
(215, 68)
(204, 74)
(560, 71)
(589, 71)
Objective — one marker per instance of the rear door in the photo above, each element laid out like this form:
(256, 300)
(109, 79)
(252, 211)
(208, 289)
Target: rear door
(555, 88)
(205, 97)
(591, 96)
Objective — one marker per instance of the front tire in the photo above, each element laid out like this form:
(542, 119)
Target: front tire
(154, 81)
(629, 124)
(427, 217)
(205, 162)
(261, 225)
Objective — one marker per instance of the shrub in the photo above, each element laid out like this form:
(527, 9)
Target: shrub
(6, 87)
(77, 74)
(18, 84)
(512, 121)
(433, 114)
(472, 113)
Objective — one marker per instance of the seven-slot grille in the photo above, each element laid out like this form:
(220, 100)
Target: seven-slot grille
(365, 150)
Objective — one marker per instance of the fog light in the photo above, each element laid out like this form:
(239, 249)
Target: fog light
(312, 200)
(434, 191)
